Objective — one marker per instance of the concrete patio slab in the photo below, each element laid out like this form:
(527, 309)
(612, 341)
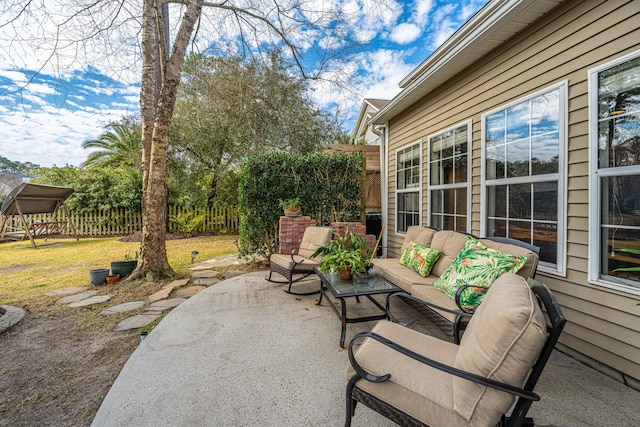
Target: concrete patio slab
(243, 352)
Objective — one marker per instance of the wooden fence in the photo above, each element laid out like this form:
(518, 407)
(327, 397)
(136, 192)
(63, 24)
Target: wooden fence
(114, 222)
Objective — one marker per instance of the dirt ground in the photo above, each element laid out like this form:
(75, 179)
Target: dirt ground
(57, 365)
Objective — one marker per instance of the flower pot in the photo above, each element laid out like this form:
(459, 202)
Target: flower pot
(98, 276)
(345, 273)
(292, 211)
(123, 268)
(113, 279)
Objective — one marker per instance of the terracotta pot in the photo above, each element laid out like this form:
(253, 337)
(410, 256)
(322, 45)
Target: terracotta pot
(113, 279)
(292, 211)
(345, 273)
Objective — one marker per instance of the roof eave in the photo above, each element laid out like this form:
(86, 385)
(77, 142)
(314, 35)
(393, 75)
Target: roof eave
(491, 26)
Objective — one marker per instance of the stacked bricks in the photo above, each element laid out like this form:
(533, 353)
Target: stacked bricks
(355, 227)
(291, 231)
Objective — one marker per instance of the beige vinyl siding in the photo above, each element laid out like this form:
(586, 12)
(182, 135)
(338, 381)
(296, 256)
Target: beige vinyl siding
(604, 324)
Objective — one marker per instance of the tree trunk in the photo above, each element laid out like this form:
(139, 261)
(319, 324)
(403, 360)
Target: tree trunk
(160, 79)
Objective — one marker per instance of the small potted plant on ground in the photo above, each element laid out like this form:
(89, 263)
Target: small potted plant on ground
(124, 268)
(291, 207)
(345, 255)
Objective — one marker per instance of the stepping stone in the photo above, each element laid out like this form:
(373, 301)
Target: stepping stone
(136, 322)
(11, 317)
(91, 301)
(189, 291)
(121, 308)
(166, 290)
(206, 282)
(66, 291)
(76, 297)
(165, 304)
(233, 273)
(205, 274)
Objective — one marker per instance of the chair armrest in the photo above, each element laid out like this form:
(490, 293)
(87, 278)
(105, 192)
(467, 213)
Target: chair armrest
(458, 295)
(507, 388)
(423, 302)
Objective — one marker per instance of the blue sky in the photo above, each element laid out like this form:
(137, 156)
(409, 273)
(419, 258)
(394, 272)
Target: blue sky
(45, 115)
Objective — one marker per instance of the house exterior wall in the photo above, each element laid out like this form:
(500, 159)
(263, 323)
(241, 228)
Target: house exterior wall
(603, 323)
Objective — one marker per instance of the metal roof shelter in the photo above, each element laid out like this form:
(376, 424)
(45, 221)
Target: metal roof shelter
(28, 199)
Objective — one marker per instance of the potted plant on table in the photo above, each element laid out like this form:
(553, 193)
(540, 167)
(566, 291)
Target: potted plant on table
(345, 255)
(126, 267)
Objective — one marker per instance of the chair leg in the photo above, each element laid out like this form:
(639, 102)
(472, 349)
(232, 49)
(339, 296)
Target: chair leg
(351, 403)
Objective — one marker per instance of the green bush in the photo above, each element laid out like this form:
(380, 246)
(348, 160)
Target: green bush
(328, 186)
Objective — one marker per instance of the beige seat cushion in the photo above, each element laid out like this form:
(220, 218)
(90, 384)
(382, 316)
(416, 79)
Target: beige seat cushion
(502, 341)
(423, 392)
(305, 264)
(400, 275)
(435, 296)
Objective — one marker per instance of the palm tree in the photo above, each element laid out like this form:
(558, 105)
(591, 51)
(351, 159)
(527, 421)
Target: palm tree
(120, 146)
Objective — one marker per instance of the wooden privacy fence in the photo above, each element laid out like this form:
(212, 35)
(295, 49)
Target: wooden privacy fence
(113, 222)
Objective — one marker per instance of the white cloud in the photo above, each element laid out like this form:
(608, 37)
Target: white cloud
(421, 9)
(405, 33)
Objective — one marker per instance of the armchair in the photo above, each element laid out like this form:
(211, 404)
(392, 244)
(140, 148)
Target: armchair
(300, 261)
(418, 380)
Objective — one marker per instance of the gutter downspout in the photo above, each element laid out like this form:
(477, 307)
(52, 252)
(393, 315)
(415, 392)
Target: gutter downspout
(380, 130)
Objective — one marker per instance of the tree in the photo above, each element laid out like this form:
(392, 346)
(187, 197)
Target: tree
(119, 145)
(248, 26)
(229, 108)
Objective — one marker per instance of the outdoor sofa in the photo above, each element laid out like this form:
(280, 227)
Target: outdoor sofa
(447, 313)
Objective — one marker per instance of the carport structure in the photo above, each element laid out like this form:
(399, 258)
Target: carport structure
(26, 199)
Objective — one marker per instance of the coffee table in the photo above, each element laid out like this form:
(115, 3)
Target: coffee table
(360, 286)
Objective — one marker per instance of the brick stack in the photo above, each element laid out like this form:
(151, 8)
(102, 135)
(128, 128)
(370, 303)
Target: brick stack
(291, 231)
(355, 227)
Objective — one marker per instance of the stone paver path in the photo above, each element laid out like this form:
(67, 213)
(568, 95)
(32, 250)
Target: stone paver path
(121, 308)
(66, 291)
(138, 321)
(91, 301)
(11, 317)
(205, 274)
(166, 290)
(76, 297)
(165, 304)
(189, 291)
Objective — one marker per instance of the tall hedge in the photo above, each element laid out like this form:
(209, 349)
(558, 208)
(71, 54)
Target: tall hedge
(329, 187)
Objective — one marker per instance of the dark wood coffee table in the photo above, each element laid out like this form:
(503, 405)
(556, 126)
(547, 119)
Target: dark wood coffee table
(360, 286)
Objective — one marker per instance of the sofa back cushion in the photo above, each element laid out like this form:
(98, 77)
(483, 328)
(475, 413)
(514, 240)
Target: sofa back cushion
(449, 243)
(418, 234)
(502, 341)
(531, 264)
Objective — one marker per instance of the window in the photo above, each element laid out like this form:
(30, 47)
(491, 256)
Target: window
(449, 179)
(408, 187)
(523, 152)
(615, 178)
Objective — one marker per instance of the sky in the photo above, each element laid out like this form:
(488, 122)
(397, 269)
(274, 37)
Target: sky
(55, 93)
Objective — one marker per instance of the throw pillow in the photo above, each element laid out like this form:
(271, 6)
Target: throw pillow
(476, 266)
(419, 258)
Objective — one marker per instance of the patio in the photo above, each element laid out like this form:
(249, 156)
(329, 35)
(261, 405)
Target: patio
(243, 352)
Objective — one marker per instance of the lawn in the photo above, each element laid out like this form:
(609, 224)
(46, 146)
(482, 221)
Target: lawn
(59, 362)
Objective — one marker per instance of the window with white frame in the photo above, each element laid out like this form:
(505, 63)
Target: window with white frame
(523, 191)
(615, 177)
(408, 187)
(449, 179)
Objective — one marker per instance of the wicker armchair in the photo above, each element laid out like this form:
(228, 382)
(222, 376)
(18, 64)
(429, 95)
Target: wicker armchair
(299, 262)
(418, 380)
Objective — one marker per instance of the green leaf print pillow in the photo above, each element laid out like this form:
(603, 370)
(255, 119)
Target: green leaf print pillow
(476, 266)
(419, 258)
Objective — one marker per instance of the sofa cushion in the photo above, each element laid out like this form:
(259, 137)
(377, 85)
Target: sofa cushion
(411, 235)
(433, 295)
(449, 243)
(401, 276)
(477, 266)
(502, 341)
(419, 258)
